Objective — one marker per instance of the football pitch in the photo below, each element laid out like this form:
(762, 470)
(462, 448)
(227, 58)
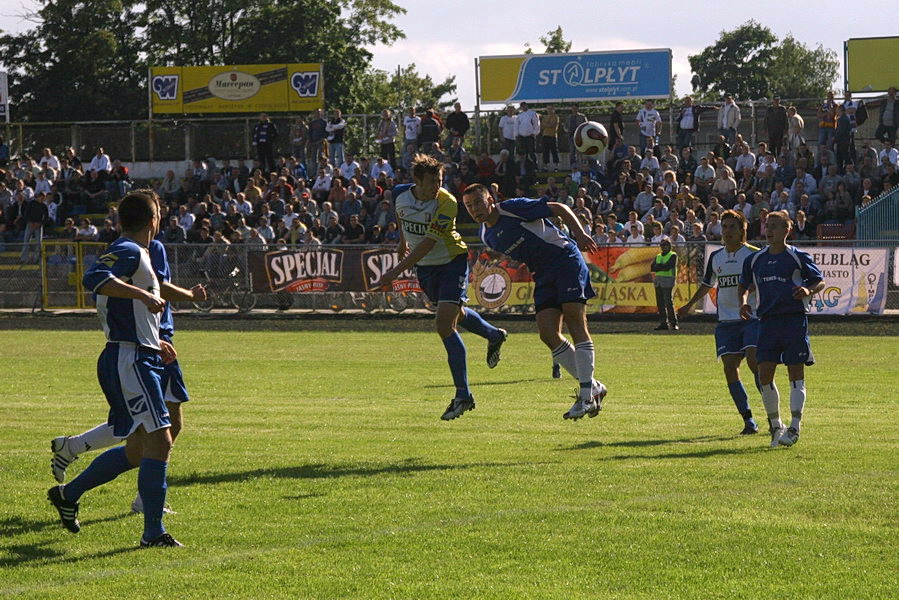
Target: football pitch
(314, 465)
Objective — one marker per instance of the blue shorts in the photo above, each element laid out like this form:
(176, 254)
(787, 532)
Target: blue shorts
(445, 283)
(784, 339)
(568, 281)
(131, 378)
(173, 387)
(734, 337)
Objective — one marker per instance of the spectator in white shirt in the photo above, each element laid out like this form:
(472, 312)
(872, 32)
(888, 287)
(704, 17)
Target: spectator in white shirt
(185, 218)
(650, 122)
(635, 238)
(508, 126)
(100, 162)
(528, 128)
(87, 232)
(348, 167)
(745, 160)
(48, 160)
(657, 234)
(381, 166)
(888, 152)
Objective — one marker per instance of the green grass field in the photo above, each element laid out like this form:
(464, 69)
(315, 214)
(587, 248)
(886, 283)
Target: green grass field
(314, 465)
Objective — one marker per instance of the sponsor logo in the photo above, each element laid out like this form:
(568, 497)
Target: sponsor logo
(827, 298)
(577, 75)
(165, 86)
(305, 83)
(492, 287)
(729, 281)
(377, 262)
(234, 85)
(108, 259)
(136, 405)
(304, 271)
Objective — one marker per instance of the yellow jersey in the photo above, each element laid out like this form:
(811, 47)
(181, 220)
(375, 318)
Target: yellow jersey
(431, 219)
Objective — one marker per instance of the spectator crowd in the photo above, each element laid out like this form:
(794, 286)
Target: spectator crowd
(320, 192)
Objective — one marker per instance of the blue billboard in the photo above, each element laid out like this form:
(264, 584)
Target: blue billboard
(572, 77)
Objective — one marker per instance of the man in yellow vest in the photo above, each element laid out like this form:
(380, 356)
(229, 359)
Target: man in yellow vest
(664, 267)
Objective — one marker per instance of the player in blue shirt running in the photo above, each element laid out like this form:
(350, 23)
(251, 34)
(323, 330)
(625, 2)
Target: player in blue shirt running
(67, 449)
(427, 215)
(734, 337)
(130, 372)
(520, 229)
(784, 278)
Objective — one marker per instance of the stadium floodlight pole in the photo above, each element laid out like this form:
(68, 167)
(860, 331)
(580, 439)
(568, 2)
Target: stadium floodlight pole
(477, 103)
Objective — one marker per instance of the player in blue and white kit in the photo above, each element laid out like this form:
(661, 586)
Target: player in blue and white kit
(734, 337)
(427, 215)
(130, 372)
(66, 449)
(520, 228)
(784, 278)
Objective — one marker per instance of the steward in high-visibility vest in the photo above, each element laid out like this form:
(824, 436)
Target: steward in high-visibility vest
(665, 269)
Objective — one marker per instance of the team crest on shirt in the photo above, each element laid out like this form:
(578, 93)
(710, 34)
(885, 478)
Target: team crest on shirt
(108, 259)
(492, 287)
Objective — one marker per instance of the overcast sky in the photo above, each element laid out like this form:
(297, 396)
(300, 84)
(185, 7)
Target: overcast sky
(444, 36)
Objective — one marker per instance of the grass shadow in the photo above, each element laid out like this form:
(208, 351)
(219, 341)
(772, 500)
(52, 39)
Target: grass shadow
(486, 383)
(326, 471)
(693, 454)
(646, 443)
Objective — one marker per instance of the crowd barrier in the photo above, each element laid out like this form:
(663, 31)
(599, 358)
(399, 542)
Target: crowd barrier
(861, 279)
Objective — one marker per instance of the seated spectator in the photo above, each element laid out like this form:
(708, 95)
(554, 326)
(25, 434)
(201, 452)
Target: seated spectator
(334, 232)
(391, 234)
(802, 230)
(675, 236)
(635, 238)
(87, 232)
(599, 233)
(657, 234)
(108, 234)
(354, 232)
(713, 227)
(265, 230)
(696, 234)
(69, 231)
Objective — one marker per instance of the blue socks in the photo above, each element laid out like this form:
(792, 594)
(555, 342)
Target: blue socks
(152, 487)
(741, 400)
(456, 357)
(476, 324)
(102, 469)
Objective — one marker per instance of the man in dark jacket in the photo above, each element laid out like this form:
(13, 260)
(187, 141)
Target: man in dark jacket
(457, 124)
(34, 214)
(264, 135)
(889, 117)
(688, 122)
(777, 123)
(842, 137)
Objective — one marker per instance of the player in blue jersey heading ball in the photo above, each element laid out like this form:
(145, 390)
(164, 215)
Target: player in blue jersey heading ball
(521, 229)
(784, 278)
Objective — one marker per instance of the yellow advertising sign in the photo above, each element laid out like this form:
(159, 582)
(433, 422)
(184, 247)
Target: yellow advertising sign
(871, 64)
(237, 88)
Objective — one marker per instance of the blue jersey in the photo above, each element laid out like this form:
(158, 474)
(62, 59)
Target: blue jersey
(123, 319)
(160, 261)
(775, 276)
(524, 233)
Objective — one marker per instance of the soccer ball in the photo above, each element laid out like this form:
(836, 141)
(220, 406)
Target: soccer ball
(590, 138)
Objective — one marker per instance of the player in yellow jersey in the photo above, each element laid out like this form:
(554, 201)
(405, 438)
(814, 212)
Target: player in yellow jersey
(429, 242)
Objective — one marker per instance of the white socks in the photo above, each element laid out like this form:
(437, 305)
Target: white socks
(771, 400)
(583, 357)
(99, 437)
(564, 355)
(797, 401)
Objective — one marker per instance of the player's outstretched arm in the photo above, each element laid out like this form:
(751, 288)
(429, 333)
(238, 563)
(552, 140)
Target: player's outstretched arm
(409, 261)
(116, 288)
(173, 293)
(584, 241)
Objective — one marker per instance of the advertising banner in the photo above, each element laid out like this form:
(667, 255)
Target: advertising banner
(620, 275)
(856, 281)
(572, 77)
(237, 88)
(871, 64)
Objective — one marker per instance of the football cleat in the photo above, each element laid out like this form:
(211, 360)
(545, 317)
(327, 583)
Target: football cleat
(776, 433)
(750, 428)
(163, 541)
(61, 458)
(557, 371)
(68, 511)
(457, 407)
(493, 349)
(789, 438)
(580, 408)
(599, 393)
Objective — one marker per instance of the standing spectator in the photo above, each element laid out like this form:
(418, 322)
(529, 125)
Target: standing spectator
(526, 133)
(508, 126)
(650, 123)
(729, 120)
(385, 137)
(664, 269)
(411, 131)
(797, 124)
(429, 138)
(827, 113)
(4, 153)
(316, 136)
(777, 121)
(457, 125)
(336, 128)
(616, 125)
(264, 135)
(549, 138)
(574, 119)
(299, 134)
(688, 122)
(842, 136)
(889, 118)
(34, 214)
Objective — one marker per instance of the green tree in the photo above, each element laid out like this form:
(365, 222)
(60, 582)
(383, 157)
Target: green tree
(554, 42)
(81, 61)
(379, 89)
(800, 72)
(739, 63)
